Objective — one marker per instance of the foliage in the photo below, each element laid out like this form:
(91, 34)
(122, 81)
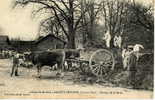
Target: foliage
(64, 11)
(89, 20)
(140, 25)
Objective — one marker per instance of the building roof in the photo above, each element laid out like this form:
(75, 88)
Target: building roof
(22, 42)
(48, 36)
(22, 45)
(4, 38)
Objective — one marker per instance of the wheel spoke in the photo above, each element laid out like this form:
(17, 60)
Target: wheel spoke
(95, 65)
(103, 70)
(103, 60)
(108, 62)
(107, 58)
(110, 59)
(106, 66)
(104, 56)
(99, 68)
(95, 69)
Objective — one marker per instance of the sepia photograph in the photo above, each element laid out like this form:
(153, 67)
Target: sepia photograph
(76, 49)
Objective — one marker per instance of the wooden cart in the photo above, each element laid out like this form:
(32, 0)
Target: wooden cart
(101, 61)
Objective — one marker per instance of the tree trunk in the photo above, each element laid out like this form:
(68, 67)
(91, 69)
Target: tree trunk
(92, 21)
(83, 22)
(71, 42)
(112, 42)
(71, 31)
(71, 38)
(91, 31)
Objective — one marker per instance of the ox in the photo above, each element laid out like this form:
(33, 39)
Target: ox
(51, 57)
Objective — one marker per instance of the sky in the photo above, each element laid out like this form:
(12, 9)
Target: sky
(17, 23)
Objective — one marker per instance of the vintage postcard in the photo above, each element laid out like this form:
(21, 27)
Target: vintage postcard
(76, 49)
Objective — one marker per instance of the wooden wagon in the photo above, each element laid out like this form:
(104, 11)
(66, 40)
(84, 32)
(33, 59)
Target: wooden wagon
(100, 62)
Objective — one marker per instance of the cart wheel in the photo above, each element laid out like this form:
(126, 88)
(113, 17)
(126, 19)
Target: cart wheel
(101, 62)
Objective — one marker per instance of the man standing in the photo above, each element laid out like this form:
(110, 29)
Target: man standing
(118, 41)
(107, 38)
(136, 50)
(125, 56)
(132, 69)
(15, 64)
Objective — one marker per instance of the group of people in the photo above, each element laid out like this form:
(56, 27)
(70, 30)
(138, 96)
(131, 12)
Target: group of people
(126, 51)
(130, 55)
(117, 40)
(6, 53)
(130, 58)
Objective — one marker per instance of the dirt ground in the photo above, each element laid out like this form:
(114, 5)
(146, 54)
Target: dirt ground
(27, 85)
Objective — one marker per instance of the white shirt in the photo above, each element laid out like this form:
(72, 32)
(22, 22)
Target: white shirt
(17, 55)
(117, 41)
(107, 38)
(125, 53)
(137, 47)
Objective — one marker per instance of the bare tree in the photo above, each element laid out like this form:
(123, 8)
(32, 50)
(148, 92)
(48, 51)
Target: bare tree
(50, 26)
(93, 8)
(114, 14)
(90, 18)
(143, 15)
(67, 11)
(140, 24)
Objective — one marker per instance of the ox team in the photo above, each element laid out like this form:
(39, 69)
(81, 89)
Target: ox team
(42, 58)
